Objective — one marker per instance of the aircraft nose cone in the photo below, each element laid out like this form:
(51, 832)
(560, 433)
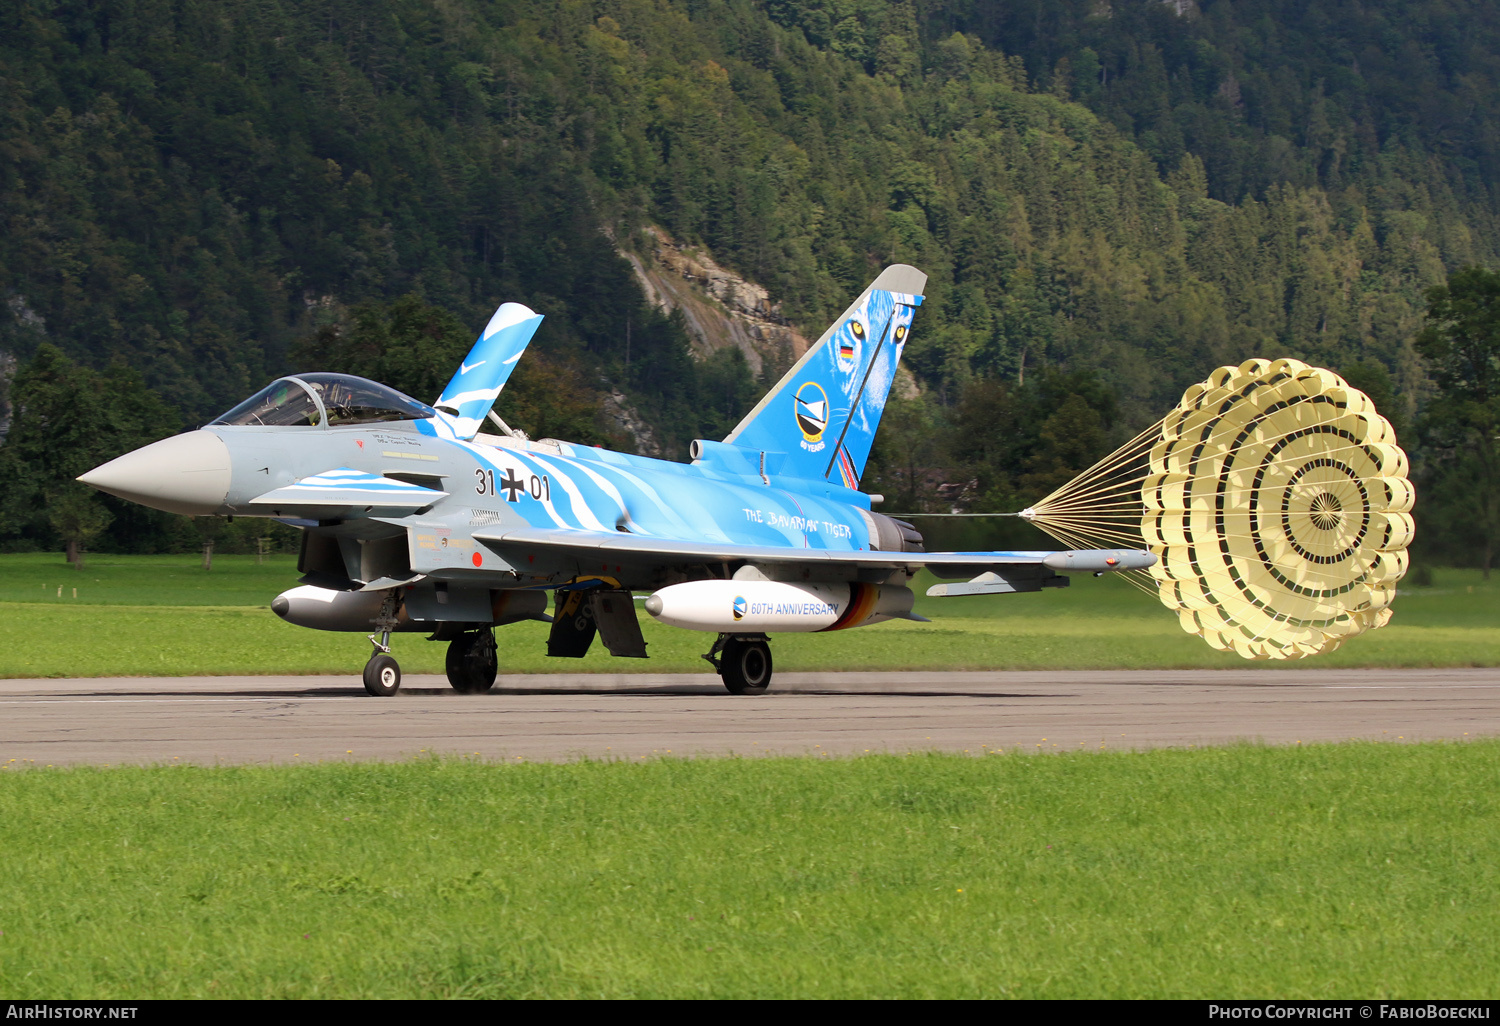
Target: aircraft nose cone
(186, 473)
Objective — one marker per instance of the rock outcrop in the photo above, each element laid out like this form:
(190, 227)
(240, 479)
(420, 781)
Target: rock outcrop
(623, 419)
(720, 307)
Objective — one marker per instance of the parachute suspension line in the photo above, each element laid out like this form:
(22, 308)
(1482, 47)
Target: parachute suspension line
(1102, 507)
(1106, 475)
(952, 514)
(1105, 500)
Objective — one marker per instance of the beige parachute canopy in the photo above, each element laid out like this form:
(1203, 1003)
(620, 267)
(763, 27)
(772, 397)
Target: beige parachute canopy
(1276, 501)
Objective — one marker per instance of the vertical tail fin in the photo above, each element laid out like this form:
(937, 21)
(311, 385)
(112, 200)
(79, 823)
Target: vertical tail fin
(823, 414)
(476, 384)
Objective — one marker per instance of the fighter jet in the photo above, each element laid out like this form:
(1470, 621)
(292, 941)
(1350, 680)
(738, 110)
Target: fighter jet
(416, 520)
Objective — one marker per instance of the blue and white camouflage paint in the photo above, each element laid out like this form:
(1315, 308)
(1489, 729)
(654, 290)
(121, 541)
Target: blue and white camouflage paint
(820, 421)
(477, 383)
(418, 517)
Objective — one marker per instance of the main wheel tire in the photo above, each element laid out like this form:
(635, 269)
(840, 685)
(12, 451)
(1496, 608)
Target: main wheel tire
(382, 675)
(745, 666)
(471, 663)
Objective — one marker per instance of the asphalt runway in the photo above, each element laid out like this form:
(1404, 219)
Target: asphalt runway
(213, 720)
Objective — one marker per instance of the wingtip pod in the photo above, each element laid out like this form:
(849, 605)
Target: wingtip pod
(1278, 502)
(1101, 560)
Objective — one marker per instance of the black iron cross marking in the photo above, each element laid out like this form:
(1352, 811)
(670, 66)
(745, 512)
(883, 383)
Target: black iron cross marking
(512, 486)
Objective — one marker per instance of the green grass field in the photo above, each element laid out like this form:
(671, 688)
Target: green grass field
(1328, 871)
(1347, 870)
(150, 615)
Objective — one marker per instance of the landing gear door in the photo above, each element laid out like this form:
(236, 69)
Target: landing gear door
(573, 626)
(614, 613)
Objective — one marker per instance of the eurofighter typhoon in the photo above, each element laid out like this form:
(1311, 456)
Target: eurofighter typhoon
(414, 519)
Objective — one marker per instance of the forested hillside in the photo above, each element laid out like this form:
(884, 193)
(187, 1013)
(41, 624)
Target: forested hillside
(1111, 198)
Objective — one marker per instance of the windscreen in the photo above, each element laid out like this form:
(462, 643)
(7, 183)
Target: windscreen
(285, 402)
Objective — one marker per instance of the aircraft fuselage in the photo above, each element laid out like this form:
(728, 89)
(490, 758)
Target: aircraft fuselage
(497, 483)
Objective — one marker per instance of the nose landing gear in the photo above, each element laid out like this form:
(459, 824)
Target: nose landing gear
(382, 674)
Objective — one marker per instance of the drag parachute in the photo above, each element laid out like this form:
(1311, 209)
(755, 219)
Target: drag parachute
(1276, 501)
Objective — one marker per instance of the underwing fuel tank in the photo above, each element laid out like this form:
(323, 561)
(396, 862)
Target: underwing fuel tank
(776, 607)
(326, 610)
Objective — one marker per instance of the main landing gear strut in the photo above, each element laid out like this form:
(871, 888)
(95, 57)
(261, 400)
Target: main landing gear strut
(743, 662)
(471, 662)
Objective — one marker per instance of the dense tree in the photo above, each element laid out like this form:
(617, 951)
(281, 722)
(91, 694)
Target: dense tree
(1100, 191)
(77, 514)
(1461, 344)
(908, 453)
(1259, 92)
(194, 186)
(67, 420)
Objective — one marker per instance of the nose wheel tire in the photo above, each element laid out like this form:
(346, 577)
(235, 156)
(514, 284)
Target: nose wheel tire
(745, 666)
(471, 662)
(382, 675)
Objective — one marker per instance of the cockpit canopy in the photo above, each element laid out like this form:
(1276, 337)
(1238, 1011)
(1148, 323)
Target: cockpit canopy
(333, 400)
